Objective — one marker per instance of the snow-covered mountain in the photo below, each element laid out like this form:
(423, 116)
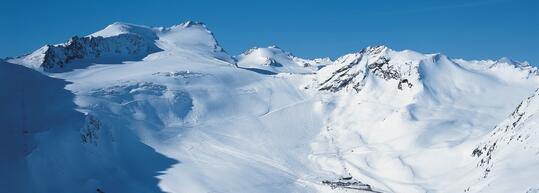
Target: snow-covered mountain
(274, 60)
(120, 42)
(132, 108)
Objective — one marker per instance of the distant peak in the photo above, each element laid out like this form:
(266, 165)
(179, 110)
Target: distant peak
(118, 28)
(250, 50)
(190, 23)
(273, 49)
(505, 60)
(511, 62)
(374, 49)
(119, 23)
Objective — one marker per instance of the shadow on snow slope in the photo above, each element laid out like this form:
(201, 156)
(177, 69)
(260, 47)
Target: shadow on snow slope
(48, 146)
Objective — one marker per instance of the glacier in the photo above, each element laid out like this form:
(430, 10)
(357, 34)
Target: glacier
(133, 108)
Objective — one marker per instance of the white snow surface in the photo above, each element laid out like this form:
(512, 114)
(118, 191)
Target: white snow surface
(190, 118)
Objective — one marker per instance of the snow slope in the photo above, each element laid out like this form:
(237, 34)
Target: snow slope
(49, 146)
(511, 149)
(174, 112)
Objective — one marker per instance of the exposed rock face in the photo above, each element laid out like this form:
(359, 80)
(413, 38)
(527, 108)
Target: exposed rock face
(127, 46)
(354, 69)
(351, 74)
(517, 130)
(90, 131)
(348, 183)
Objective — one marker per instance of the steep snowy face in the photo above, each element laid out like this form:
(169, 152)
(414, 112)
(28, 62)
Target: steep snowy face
(274, 60)
(508, 157)
(191, 37)
(120, 42)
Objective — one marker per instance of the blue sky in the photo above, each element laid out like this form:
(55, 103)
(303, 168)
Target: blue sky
(471, 29)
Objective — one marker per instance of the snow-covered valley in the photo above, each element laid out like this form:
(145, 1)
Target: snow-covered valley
(143, 109)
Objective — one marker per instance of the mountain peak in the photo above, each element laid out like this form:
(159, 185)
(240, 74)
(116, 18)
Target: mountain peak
(276, 60)
(266, 51)
(374, 49)
(512, 62)
(192, 36)
(190, 23)
(118, 28)
(275, 47)
(187, 25)
(506, 60)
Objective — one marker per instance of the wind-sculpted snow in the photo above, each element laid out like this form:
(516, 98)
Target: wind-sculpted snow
(190, 118)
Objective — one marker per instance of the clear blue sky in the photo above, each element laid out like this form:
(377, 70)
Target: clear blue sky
(471, 29)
